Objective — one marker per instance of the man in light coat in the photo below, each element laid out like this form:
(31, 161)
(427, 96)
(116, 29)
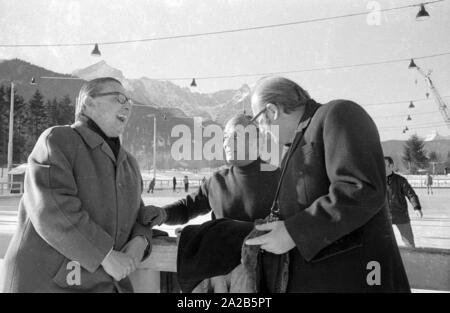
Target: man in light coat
(77, 228)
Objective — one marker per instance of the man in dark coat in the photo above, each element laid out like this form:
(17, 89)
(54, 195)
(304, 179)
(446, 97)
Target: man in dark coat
(332, 201)
(77, 228)
(244, 191)
(398, 189)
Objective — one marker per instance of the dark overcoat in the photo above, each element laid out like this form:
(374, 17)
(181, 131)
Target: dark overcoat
(79, 203)
(333, 201)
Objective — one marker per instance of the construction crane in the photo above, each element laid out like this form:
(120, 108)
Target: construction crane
(443, 108)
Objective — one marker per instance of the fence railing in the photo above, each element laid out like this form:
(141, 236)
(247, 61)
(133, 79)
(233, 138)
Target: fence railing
(427, 268)
(168, 184)
(11, 188)
(437, 183)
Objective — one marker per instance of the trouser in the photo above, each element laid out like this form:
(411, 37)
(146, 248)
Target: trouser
(407, 234)
(429, 189)
(186, 187)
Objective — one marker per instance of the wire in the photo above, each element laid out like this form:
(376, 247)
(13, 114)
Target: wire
(307, 70)
(412, 115)
(413, 126)
(403, 101)
(216, 32)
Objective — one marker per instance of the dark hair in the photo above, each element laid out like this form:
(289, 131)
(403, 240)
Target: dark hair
(89, 88)
(389, 160)
(282, 92)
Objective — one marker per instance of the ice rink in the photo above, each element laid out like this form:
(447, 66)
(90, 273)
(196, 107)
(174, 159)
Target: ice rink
(433, 230)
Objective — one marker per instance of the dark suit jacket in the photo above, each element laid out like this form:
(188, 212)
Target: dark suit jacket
(333, 201)
(79, 203)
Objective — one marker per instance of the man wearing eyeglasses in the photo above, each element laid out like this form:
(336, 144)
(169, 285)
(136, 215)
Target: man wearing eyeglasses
(78, 229)
(332, 201)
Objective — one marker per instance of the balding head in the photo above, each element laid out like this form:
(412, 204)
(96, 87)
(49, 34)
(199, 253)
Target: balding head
(91, 87)
(282, 92)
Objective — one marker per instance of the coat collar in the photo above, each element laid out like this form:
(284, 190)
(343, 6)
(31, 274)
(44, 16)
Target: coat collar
(310, 109)
(94, 140)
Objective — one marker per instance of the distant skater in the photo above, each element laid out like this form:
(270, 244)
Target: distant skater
(151, 186)
(429, 183)
(397, 189)
(186, 183)
(174, 184)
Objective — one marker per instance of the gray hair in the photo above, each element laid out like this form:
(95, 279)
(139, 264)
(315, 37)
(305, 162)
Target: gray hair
(89, 88)
(282, 92)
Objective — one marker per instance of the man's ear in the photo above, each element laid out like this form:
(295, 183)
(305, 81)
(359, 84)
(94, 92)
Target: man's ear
(273, 111)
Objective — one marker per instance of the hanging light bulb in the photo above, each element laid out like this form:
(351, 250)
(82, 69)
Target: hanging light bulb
(193, 84)
(33, 81)
(412, 64)
(422, 15)
(404, 131)
(411, 105)
(409, 118)
(427, 94)
(96, 51)
(406, 128)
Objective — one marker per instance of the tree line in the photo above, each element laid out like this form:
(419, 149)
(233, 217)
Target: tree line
(31, 118)
(417, 160)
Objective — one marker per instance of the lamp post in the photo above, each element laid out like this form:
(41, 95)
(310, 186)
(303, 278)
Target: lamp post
(154, 143)
(10, 132)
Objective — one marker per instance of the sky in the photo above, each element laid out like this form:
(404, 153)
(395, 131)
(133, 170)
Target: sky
(351, 40)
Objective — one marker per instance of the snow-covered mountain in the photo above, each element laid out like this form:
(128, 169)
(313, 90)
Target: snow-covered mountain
(435, 136)
(218, 106)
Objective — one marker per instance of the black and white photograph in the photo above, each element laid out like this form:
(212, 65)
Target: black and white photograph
(239, 149)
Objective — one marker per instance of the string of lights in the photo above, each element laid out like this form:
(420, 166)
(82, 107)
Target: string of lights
(397, 115)
(415, 126)
(422, 14)
(402, 101)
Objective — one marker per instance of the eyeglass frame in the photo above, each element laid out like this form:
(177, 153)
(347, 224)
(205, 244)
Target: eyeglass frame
(253, 120)
(112, 93)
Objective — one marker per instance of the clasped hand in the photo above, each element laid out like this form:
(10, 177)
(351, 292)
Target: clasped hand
(120, 264)
(277, 240)
(152, 216)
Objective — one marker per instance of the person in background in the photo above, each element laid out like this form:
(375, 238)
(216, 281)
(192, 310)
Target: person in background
(244, 191)
(241, 192)
(186, 183)
(151, 186)
(174, 184)
(398, 189)
(429, 183)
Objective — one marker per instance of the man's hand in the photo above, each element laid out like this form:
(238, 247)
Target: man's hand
(135, 248)
(419, 213)
(152, 216)
(277, 240)
(118, 265)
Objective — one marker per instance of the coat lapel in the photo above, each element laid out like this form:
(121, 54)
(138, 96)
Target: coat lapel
(106, 149)
(93, 140)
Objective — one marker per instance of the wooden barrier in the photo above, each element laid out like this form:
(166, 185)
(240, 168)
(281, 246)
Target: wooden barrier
(427, 269)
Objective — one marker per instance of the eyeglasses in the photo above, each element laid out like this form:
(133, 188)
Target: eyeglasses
(258, 114)
(121, 98)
